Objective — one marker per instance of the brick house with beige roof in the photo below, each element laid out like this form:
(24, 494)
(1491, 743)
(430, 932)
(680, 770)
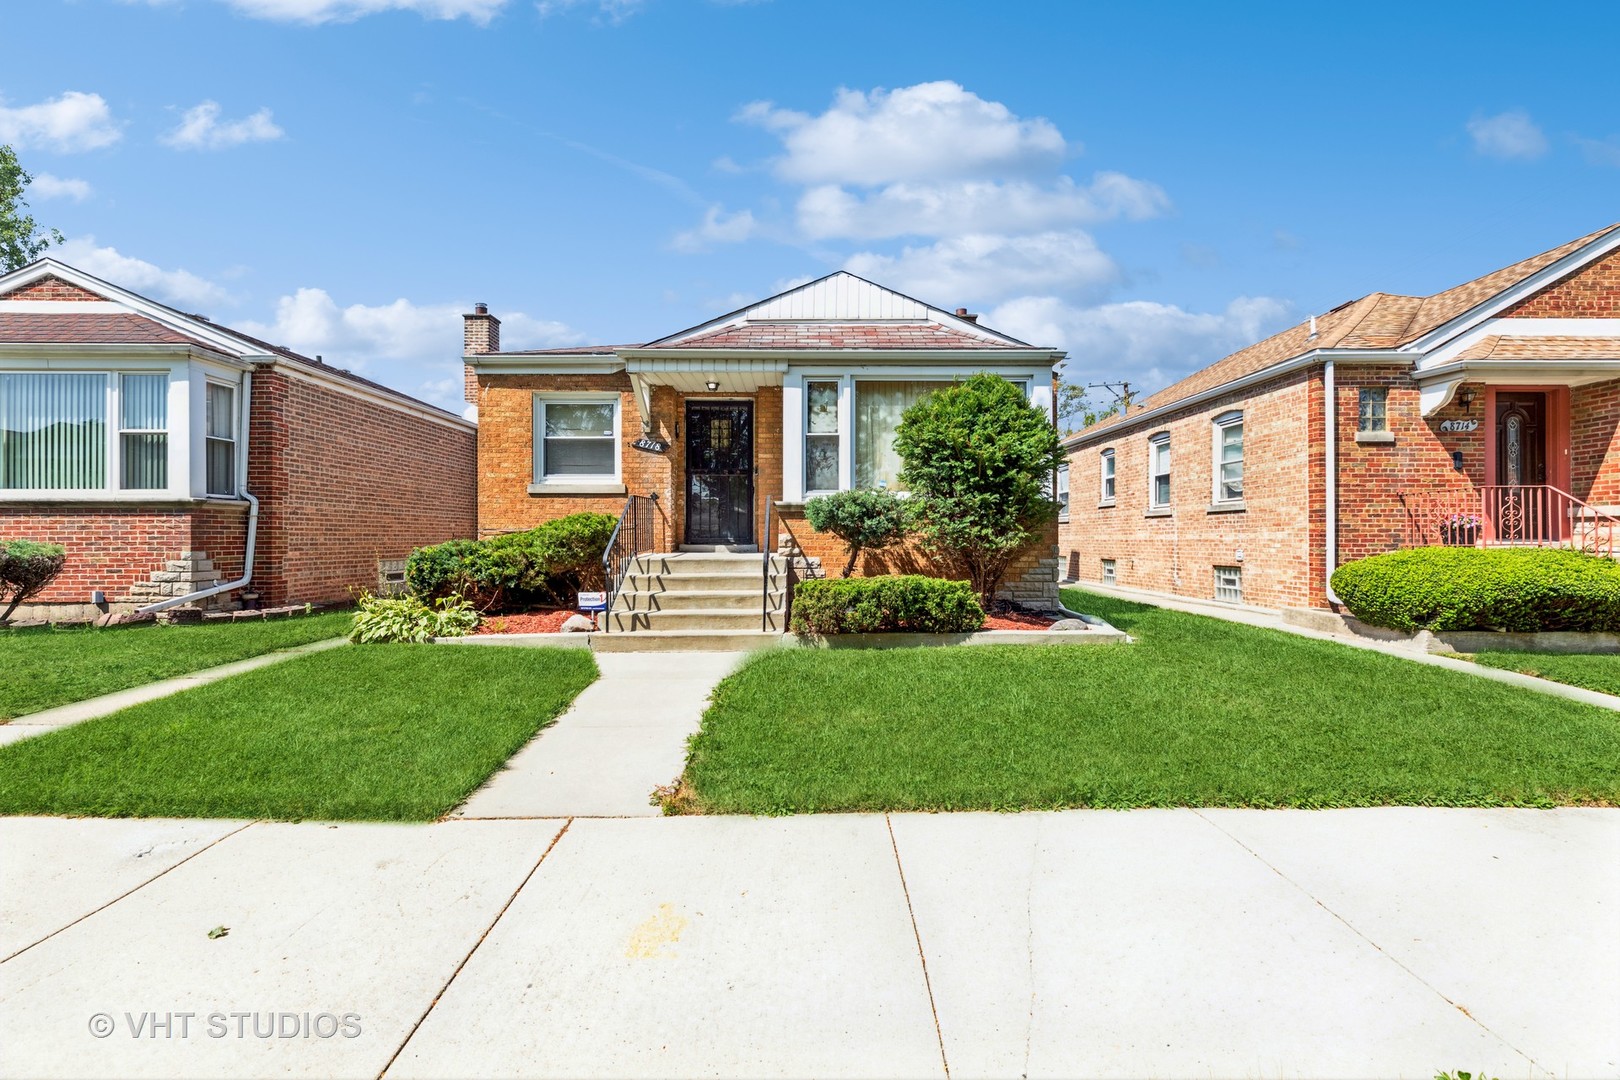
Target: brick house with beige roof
(184, 463)
(1486, 414)
(720, 432)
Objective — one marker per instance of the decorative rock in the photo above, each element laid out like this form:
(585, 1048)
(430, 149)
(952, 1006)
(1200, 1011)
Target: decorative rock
(576, 624)
(1069, 624)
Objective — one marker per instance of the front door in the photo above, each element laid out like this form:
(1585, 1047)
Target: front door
(719, 472)
(1519, 505)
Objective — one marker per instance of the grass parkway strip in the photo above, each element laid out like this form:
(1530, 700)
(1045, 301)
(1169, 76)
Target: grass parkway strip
(1591, 671)
(44, 667)
(369, 732)
(1200, 712)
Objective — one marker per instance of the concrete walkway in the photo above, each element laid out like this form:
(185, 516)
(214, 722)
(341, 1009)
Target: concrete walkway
(1376, 942)
(625, 735)
(39, 723)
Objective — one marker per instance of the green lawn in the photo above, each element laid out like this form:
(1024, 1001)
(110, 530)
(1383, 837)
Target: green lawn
(1200, 712)
(42, 667)
(1593, 671)
(365, 732)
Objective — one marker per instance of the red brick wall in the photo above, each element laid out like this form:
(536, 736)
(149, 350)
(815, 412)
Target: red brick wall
(1594, 443)
(1589, 293)
(343, 482)
(1177, 553)
(51, 287)
(112, 548)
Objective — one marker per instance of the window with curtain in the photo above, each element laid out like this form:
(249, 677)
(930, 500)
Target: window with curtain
(821, 438)
(220, 439)
(878, 409)
(1159, 471)
(143, 436)
(577, 439)
(1229, 458)
(53, 431)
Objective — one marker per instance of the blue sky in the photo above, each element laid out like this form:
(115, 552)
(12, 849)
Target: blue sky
(1148, 186)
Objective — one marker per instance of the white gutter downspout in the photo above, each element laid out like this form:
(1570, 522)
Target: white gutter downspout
(252, 521)
(1331, 490)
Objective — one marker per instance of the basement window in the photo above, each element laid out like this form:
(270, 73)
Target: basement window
(1229, 584)
(1109, 571)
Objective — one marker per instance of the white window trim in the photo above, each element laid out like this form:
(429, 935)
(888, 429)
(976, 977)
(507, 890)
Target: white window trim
(574, 480)
(181, 426)
(235, 439)
(1218, 428)
(1154, 442)
(1107, 471)
(1216, 576)
(1037, 385)
(117, 450)
(1063, 494)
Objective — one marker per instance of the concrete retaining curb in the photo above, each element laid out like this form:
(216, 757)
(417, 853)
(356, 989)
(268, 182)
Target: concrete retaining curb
(1454, 641)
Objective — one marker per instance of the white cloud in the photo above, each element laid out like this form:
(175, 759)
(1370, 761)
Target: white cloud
(929, 131)
(1149, 343)
(415, 348)
(717, 227)
(47, 186)
(981, 267)
(68, 124)
(614, 11)
(178, 287)
(328, 11)
(201, 129)
(1511, 135)
(974, 206)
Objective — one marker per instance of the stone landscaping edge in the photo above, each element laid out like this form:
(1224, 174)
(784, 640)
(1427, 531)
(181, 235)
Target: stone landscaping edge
(1454, 641)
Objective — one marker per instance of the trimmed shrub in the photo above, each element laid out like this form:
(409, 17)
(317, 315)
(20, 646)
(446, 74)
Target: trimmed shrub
(26, 567)
(865, 520)
(406, 618)
(541, 565)
(1514, 589)
(871, 605)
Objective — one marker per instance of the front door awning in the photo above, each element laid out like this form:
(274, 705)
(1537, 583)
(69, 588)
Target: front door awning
(692, 375)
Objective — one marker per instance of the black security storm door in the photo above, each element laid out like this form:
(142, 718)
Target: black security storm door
(719, 472)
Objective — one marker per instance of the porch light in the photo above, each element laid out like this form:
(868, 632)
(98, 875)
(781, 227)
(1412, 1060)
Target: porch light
(1467, 399)
(712, 385)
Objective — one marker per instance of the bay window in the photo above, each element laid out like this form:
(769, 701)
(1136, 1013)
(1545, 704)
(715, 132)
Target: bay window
(220, 439)
(143, 432)
(822, 441)
(53, 431)
(576, 440)
(878, 409)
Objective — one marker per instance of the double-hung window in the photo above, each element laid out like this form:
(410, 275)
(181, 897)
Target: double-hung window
(1159, 472)
(1063, 493)
(53, 431)
(576, 440)
(219, 439)
(143, 432)
(1228, 453)
(1107, 498)
(822, 441)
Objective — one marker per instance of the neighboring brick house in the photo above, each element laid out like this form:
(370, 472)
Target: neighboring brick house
(1485, 414)
(143, 439)
(793, 396)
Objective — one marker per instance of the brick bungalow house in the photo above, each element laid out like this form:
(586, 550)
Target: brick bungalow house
(719, 424)
(1486, 414)
(171, 455)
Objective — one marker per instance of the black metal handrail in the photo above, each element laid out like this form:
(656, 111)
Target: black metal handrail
(767, 546)
(633, 535)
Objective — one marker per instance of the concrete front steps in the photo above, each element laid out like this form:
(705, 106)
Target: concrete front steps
(698, 600)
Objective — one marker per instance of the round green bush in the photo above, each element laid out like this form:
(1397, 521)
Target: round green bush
(1455, 588)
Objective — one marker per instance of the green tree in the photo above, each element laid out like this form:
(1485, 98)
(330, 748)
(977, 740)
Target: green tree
(1075, 410)
(978, 463)
(21, 241)
(865, 520)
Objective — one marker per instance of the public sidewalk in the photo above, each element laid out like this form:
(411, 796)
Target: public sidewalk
(622, 737)
(1373, 942)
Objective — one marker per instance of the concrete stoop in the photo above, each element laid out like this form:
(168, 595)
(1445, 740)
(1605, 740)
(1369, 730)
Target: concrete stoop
(707, 600)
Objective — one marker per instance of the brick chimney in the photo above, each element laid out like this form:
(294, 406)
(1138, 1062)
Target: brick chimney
(480, 333)
(962, 313)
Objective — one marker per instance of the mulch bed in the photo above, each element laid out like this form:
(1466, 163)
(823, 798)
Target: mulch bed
(1018, 620)
(538, 622)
